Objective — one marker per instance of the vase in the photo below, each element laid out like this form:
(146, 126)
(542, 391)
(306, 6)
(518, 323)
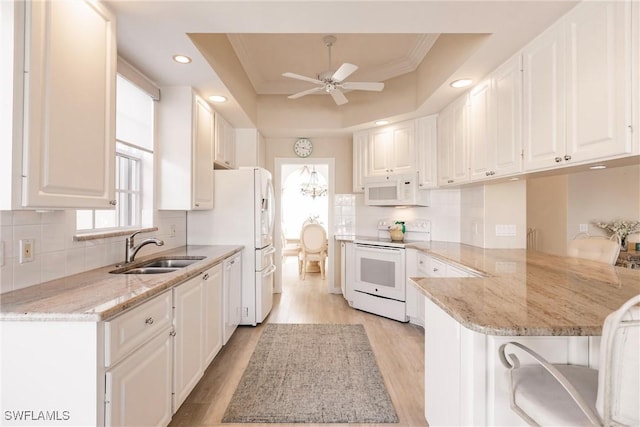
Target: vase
(623, 244)
(396, 235)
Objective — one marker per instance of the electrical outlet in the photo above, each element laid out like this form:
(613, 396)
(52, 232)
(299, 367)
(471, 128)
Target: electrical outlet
(26, 250)
(172, 230)
(584, 228)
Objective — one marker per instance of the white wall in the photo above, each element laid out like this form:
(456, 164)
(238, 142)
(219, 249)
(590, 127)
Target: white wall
(56, 254)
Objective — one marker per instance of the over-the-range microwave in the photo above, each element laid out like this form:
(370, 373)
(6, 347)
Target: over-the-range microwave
(394, 190)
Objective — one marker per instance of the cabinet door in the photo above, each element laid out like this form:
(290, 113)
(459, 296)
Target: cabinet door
(459, 155)
(138, 390)
(481, 137)
(212, 313)
(225, 143)
(598, 87)
(202, 160)
(380, 142)
(188, 364)
(69, 107)
(403, 149)
(507, 108)
(544, 100)
(445, 151)
(232, 294)
(426, 142)
(360, 150)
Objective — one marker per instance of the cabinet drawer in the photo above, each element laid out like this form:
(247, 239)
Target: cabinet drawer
(130, 330)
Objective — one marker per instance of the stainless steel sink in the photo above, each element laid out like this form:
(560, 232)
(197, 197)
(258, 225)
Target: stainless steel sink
(148, 270)
(170, 263)
(158, 265)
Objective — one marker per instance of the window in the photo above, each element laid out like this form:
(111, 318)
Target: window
(134, 164)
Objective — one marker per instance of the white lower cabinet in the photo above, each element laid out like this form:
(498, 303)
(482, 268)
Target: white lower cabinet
(197, 320)
(139, 389)
(212, 313)
(232, 295)
(139, 363)
(188, 363)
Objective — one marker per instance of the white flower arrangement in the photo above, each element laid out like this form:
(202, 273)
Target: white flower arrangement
(621, 228)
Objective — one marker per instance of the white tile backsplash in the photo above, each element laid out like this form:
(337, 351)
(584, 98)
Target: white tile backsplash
(56, 254)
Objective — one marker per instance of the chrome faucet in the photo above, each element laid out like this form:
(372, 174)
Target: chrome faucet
(131, 250)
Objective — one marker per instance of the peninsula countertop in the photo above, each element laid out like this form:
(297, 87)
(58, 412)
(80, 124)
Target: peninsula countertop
(97, 295)
(526, 292)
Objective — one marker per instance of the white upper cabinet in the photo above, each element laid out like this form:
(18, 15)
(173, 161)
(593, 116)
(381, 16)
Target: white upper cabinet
(494, 123)
(185, 145)
(225, 144)
(453, 162)
(60, 114)
(577, 89)
(426, 143)
(482, 147)
(360, 150)
(392, 149)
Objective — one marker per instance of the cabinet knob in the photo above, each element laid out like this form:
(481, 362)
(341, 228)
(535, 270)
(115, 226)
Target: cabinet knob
(558, 159)
(197, 205)
(450, 181)
(112, 202)
(435, 269)
(149, 321)
(172, 333)
(567, 157)
(487, 173)
(205, 277)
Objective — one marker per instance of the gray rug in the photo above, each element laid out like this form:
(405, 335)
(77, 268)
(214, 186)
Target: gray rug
(311, 374)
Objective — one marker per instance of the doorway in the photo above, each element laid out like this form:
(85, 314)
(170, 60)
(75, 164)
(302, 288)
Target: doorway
(305, 192)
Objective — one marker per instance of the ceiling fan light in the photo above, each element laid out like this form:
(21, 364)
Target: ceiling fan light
(460, 83)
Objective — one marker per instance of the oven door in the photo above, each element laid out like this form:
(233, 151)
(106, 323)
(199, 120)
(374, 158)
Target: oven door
(380, 271)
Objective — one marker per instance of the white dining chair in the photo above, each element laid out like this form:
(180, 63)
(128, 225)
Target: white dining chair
(596, 248)
(313, 247)
(291, 250)
(546, 394)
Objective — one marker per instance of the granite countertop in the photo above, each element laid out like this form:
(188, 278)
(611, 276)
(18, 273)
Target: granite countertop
(526, 292)
(97, 295)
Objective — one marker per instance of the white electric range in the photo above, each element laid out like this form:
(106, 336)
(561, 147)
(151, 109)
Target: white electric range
(378, 282)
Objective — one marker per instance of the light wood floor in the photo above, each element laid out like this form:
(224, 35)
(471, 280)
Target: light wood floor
(399, 350)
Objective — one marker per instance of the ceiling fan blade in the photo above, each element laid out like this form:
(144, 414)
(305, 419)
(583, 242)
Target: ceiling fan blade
(339, 97)
(343, 72)
(305, 92)
(375, 86)
(304, 78)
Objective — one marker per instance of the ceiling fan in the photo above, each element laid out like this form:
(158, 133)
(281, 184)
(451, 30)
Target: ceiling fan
(333, 82)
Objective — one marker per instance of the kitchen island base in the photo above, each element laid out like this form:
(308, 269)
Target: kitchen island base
(465, 383)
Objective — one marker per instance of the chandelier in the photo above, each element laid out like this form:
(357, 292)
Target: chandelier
(314, 187)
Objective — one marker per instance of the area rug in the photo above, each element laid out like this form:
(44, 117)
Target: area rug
(311, 374)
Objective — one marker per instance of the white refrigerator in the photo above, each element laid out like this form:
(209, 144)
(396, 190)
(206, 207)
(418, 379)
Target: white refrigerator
(243, 214)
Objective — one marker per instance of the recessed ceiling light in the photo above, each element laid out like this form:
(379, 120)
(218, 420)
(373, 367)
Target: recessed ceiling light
(461, 83)
(217, 98)
(596, 167)
(382, 122)
(182, 59)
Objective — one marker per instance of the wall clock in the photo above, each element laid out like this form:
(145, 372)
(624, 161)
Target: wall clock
(303, 147)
